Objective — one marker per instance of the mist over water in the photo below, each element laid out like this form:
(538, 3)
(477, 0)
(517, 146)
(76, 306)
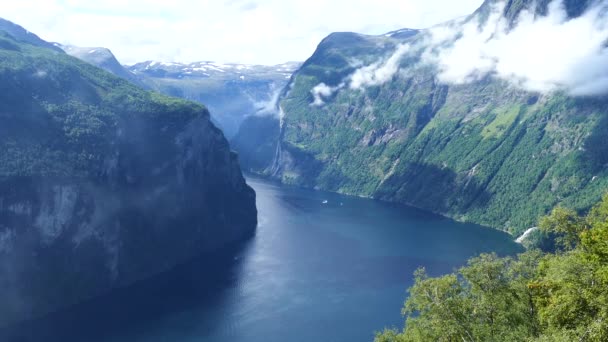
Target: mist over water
(315, 271)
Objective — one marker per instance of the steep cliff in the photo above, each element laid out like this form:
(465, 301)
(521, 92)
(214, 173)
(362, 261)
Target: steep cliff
(102, 183)
(394, 117)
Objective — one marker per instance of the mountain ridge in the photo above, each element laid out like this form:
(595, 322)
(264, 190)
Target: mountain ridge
(233, 91)
(363, 116)
(21, 34)
(102, 58)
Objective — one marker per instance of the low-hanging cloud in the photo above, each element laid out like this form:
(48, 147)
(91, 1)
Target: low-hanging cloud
(380, 72)
(374, 74)
(322, 91)
(541, 53)
(270, 106)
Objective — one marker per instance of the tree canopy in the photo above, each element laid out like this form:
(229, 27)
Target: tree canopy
(535, 296)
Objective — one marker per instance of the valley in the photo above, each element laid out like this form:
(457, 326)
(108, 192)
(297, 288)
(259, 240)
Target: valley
(310, 265)
(445, 182)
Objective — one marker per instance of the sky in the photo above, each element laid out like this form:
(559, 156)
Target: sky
(228, 31)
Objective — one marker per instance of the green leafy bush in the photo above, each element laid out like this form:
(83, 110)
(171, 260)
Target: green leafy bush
(532, 297)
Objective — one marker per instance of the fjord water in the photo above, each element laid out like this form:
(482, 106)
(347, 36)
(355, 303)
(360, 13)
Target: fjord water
(321, 267)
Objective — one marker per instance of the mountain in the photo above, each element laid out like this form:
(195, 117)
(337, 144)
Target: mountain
(102, 58)
(513, 8)
(427, 119)
(242, 98)
(103, 183)
(23, 35)
(231, 91)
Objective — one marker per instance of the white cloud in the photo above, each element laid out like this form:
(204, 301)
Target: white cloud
(379, 72)
(270, 106)
(374, 74)
(242, 31)
(540, 54)
(322, 91)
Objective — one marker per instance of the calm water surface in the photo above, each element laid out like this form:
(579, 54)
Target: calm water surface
(322, 267)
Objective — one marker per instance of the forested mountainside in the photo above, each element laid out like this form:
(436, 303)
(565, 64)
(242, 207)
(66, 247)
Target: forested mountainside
(101, 182)
(445, 119)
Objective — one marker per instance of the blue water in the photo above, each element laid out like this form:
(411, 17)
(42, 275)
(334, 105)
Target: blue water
(315, 271)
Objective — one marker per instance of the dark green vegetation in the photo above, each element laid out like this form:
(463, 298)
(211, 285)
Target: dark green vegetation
(101, 182)
(484, 152)
(61, 116)
(533, 297)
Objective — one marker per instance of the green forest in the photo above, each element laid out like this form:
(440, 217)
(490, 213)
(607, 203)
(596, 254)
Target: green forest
(536, 296)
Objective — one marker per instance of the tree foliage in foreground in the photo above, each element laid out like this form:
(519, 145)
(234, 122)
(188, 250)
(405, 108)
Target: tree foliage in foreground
(531, 297)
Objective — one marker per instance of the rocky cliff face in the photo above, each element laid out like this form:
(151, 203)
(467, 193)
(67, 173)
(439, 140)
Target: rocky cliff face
(102, 183)
(395, 117)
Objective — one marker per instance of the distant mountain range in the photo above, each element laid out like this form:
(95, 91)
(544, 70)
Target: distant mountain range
(230, 91)
(428, 118)
(213, 70)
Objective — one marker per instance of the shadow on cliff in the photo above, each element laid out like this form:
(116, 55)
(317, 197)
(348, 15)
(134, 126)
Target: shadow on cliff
(200, 283)
(433, 188)
(256, 141)
(595, 155)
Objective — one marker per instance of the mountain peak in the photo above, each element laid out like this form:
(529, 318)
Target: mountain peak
(102, 58)
(23, 35)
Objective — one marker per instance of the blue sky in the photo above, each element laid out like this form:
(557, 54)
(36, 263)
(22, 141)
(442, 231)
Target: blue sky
(242, 31)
